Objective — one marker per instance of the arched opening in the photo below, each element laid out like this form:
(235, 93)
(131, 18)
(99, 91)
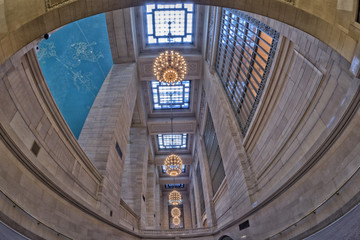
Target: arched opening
(225, 238)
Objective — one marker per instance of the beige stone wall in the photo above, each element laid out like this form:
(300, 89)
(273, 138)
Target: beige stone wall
(59, 186)
(134, 178)
(151, 192)
(301, 148)
(108, 123)
(26, 21)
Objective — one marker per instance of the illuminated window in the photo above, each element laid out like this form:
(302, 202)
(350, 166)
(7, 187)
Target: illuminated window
(158, 17)
(169, 186)
(245, 53)
(182, 169)
(175, 96)
(172, 141)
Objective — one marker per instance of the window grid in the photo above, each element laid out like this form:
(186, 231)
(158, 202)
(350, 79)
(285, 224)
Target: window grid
(245, 53)
(181, 17)
(170, 186)
(172, 141)
(176, 96)
(182, 169)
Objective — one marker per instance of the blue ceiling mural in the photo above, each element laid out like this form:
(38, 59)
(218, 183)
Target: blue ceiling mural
(75, 61)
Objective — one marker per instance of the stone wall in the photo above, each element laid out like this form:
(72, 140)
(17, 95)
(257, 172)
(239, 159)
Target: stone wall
(57, 185)
(24, 22)
(301, 148)
(106, 130)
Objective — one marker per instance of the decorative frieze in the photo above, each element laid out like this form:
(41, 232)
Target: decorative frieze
(50, 4)
(290, 1)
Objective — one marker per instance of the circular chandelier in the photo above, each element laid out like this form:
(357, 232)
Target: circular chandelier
(175, 212)
(170, 67)
(176, 220)
(174, 198)
(173, 165)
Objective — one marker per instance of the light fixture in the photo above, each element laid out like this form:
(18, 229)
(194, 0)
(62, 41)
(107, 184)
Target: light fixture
(175, 212)
(170, 67)
(173, 165)
(174, 198)
(176, 221)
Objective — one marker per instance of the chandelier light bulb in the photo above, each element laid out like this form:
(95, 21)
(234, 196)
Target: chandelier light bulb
(174, 198)
(173, 165)
(173, 67)
(175, 212)
(176, 221)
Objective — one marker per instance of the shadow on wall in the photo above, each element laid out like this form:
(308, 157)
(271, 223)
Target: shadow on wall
(225, 238)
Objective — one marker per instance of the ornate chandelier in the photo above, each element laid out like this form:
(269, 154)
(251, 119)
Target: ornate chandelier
(173, 165)
(174, 198)
(175, 212)
(176, 220)
(170, 67)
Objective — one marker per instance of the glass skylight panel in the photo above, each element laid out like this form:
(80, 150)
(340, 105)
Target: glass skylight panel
(175, 96)
(158, 17)
(172, 141)
(169, 186)
(164, 171)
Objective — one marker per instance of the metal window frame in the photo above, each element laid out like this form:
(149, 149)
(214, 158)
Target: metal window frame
(176, 105)
(173, 36)
(237, 78)
(174, 186)
(171, 147)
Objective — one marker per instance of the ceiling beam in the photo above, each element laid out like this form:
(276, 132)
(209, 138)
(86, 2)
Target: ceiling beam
(187, 159)
(171, 180)
(180, 125)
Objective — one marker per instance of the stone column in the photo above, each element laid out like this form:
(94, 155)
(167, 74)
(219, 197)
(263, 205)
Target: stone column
(106, 130)
(192, 206)
(187, 212)
(231, 146)
(197, 209)
(150, 196)
(206, 182)
(157, 205)
(134, 181)
(165, 211)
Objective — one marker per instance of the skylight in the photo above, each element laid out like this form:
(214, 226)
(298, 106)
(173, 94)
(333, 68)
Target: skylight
(164, 171)
(169, 186)
(181, 17)
(180, 95)
(172, 141)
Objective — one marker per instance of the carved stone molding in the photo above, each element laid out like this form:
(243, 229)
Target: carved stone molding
(290, 1)
(180, 125)
(50, 4)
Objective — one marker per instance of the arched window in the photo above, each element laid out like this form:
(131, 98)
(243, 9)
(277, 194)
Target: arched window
(225, 238)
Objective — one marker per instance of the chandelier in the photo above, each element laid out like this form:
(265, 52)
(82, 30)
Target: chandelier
(174, 198)
(170, 67)
(176, 220)
(175, 212)
(173, 165)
